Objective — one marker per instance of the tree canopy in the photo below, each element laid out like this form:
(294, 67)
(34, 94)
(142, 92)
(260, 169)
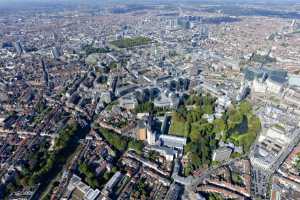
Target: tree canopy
(131, 42)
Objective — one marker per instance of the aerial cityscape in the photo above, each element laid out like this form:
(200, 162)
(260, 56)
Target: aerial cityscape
(149, 99)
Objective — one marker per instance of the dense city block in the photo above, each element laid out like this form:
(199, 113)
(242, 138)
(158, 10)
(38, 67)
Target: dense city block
(137, 100)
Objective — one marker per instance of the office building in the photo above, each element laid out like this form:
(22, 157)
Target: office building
(19, 48)
(173, 141)
(151, 136)
(56, 53)
(141, 133)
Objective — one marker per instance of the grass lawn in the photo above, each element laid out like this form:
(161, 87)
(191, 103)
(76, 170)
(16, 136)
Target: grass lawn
(177, 128)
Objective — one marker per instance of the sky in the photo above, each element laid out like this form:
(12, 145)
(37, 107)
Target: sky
(18, 3)
(72, 1)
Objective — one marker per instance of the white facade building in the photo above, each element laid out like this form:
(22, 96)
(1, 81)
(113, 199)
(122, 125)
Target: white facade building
(151, 137)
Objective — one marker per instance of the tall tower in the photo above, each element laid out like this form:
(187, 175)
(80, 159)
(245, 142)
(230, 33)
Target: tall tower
(151, 136)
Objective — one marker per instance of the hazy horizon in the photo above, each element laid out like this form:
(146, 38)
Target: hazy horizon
(19, 5)
(143, 1)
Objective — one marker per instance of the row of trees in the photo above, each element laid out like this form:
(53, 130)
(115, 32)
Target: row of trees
(145, 107)
(148, 107)
(90, 49)
(200, 100)
(43, 164)
(57, 157)
(116, 140)
(121, 143)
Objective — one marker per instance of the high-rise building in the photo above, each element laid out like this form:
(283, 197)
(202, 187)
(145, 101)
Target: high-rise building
(165, 124)
(113, 82)
(243, 92)
(141, 133)
(151, 136)
(19, 47)
(56, 53)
